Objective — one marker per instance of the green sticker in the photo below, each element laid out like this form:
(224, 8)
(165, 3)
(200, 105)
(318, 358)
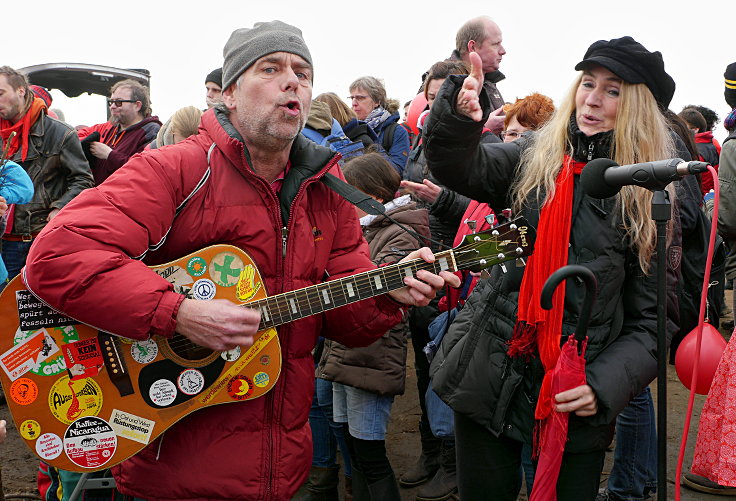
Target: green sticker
(225, 269)
(197, 266)
(55, 364)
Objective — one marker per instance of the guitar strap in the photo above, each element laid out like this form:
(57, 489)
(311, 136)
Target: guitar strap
(369, 205)
(353, 195)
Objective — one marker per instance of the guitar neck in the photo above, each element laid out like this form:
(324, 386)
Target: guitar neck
(289, 306)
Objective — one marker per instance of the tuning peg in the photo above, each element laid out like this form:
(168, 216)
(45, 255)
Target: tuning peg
(506, 213)
(520, 263)
(471, 224)
(491, 220)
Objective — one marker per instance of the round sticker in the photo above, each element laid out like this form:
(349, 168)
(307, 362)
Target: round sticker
(190, 381)
(225, 269)
(55, 364)
(265, 360)
(162, 392)
(24, 391)
(70, 400)
(261, 379)
(49, 446)
(204, 288)
(29, 429)
(231, 355)
(240, 387)
(144, 352)
(197, 266)
(90, 442)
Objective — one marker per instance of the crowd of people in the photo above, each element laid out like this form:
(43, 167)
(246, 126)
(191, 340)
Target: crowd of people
(266, 167)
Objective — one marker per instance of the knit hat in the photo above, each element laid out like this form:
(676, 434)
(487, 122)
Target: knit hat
(42, 93)
(730, 92)
(215, 76)
(633, 63)
(247, 45)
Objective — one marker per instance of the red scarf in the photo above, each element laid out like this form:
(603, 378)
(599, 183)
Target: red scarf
(22, 128)
(536, 327)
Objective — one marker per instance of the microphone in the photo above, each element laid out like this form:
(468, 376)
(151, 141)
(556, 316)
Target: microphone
(603, 178)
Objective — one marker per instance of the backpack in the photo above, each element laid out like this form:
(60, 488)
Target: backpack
(337, 141)
(388, 136)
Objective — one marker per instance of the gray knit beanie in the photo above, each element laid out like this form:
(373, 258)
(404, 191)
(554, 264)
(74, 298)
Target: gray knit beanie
(247, 45)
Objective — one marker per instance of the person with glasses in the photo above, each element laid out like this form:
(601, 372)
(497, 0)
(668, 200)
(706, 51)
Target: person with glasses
(370, 104)
(526, 114)
(130, 128)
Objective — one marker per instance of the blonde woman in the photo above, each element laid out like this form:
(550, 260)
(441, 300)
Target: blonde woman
(182, 124)
(494, 363)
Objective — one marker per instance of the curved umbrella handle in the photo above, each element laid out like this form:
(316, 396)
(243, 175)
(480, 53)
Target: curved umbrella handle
(591, 284)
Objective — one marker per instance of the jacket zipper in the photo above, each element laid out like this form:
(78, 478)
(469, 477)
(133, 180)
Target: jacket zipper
(284, 236)
(271, 395)
(591, 146)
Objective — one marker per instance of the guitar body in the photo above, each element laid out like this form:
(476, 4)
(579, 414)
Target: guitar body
(85, 400)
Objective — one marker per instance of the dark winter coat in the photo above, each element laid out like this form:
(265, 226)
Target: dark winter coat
(381, 367)
(56, 165)
(472, 371)
(445, 212)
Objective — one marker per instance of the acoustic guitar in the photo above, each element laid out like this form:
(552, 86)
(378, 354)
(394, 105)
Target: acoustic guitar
(85, 400)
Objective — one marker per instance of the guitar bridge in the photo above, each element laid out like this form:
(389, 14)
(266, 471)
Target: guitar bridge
(115, 364)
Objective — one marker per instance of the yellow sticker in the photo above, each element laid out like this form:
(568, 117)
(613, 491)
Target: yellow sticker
(261, 379)
(70, 400)
(247, 286)
(30, 429)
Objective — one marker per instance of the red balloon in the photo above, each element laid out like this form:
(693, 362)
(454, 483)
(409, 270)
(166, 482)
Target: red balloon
(711, 349)
(417, 106)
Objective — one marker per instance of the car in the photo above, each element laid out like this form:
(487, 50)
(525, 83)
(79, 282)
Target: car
(74, 79)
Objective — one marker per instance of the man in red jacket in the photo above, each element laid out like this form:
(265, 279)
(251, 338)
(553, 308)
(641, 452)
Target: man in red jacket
(251, 180)
(130, 129)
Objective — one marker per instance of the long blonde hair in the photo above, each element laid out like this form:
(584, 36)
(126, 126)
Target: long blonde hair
(641, 134)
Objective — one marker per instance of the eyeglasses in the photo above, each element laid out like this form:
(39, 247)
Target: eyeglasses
(358, 98)
(119, 102)
(512, 134)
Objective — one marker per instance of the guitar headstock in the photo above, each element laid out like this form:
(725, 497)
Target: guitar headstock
(512, 240)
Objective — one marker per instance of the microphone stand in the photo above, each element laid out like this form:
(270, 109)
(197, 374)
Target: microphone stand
(661, 214)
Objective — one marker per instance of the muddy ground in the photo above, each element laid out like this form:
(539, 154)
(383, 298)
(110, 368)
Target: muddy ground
(19, 465)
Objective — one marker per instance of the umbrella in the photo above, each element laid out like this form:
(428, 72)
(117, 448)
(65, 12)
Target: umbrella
(569, 372)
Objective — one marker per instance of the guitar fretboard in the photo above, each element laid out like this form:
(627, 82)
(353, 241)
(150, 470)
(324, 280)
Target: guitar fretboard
(290, 306)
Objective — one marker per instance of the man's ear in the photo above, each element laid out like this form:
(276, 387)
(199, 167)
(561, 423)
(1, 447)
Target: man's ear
(228, 96)
(471, 46)
(138, 106)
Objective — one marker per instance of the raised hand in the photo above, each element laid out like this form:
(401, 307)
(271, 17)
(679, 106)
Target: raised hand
(468, 100)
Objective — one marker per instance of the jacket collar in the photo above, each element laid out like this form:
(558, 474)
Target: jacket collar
(307, 159)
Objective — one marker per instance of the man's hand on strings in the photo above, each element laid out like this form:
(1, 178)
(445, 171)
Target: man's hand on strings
(423, 286)
(217, 324)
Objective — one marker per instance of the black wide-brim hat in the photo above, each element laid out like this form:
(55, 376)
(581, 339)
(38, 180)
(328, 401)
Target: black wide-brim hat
(633, 63)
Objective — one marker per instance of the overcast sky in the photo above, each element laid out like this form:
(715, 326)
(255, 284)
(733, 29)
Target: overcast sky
(180, 42)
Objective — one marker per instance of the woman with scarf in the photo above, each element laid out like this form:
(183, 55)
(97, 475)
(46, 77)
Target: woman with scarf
(494, 364)
(370, 104)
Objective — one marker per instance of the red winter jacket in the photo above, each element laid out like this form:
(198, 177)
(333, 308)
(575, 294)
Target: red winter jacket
(83, 264)
(124, 145)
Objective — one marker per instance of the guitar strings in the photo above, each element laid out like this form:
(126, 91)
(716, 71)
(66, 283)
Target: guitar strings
(301, 297)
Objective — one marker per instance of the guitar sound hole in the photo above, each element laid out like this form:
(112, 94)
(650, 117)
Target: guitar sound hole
(186, 350)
